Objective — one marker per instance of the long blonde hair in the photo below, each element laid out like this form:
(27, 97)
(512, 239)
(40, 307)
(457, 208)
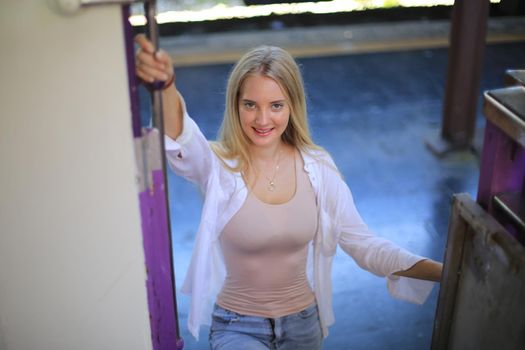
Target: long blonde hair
(277, 64)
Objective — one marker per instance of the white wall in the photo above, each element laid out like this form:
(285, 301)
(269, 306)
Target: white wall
(72, 270)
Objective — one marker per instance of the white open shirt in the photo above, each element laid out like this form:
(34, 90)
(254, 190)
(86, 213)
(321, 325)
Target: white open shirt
(339, 223)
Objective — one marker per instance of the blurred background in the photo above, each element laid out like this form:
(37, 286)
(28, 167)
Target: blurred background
(376, 80)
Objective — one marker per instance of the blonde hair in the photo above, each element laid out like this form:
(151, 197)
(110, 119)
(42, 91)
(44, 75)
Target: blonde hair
(277, 64)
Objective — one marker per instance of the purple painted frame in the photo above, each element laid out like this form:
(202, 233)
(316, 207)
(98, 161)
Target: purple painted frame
(156, 233)
(499, 172)
(502, 170)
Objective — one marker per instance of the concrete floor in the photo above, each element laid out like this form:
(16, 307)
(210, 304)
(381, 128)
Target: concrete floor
(372, 112)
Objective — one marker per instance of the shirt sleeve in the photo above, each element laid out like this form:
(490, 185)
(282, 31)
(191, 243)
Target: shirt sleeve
(376, 254)
(190, 155)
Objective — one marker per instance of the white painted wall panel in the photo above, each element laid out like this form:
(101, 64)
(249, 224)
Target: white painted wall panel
(72, 270)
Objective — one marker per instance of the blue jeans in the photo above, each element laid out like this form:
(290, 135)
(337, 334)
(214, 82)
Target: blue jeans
(299, 331)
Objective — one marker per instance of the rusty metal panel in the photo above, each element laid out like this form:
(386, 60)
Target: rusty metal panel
(481, 302)
(514, 77)
(505, 108)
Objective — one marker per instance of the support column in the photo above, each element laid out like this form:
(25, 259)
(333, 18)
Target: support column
(467, 44)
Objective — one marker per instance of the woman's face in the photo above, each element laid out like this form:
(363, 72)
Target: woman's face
(264, 110)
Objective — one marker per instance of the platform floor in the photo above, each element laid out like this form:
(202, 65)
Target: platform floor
(372, 112)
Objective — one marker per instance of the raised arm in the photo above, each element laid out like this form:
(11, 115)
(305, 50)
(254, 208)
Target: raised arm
(154, 65)
(187, 150)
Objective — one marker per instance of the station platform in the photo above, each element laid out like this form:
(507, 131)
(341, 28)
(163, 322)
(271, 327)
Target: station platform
(329, 40)
(374, 93)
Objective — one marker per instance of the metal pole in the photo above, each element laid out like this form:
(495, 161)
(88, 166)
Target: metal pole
(158, 122)
(467, 44)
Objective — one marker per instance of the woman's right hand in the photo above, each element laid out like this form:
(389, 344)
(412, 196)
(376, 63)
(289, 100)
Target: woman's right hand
(152, 65)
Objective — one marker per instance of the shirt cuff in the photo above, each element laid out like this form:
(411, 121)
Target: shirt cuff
(409, 289)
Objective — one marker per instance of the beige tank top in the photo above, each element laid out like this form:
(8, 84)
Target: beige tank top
(265, 248)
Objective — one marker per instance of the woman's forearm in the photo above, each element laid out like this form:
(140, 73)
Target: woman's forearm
(172, 112)
(427, 269)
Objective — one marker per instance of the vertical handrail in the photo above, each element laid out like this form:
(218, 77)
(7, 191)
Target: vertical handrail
(150, 7)
(152, 32)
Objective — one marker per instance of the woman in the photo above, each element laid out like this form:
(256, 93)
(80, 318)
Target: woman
(275, 210)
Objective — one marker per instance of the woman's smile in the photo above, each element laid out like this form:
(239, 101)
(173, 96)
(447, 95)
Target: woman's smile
(263, 132)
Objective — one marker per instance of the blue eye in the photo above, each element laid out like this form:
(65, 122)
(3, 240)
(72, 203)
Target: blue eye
(277, 106)
(248, 104)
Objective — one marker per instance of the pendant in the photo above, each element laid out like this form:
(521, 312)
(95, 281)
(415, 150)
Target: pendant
(271, 186)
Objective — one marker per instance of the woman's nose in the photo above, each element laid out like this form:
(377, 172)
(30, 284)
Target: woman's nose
(262, 116)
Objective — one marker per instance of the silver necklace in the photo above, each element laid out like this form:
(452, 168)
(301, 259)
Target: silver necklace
(271, 181)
